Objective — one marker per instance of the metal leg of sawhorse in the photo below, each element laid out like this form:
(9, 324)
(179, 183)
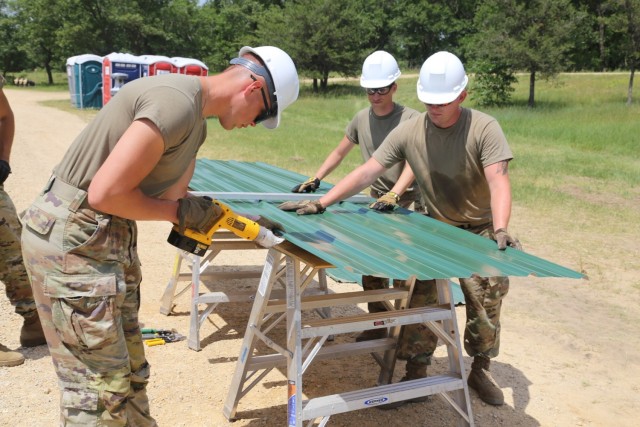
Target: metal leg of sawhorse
(304, 343)
(198, 266)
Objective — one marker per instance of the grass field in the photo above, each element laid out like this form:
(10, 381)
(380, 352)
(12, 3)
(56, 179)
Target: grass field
(577, 151)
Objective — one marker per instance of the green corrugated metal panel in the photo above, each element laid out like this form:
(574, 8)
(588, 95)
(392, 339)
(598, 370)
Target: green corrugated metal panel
(246, 177)
(361, 241)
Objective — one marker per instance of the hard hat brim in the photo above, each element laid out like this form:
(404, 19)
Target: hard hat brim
(435, 98)
(375, 84)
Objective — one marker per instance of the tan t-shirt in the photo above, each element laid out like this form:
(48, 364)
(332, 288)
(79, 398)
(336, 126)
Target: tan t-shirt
(173, 102)
(368, 131)
(449, 163)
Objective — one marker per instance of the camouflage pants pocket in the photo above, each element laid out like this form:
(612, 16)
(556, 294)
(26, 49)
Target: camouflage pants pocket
(82, 228)
(80, 400)
(85, 314)
(39, 221)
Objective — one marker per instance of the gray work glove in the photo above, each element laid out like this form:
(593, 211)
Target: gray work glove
(504, 239)
(197, 213)
(5, 170)
(271, 225)
(309, 186)
(304, 207)
(386, 202)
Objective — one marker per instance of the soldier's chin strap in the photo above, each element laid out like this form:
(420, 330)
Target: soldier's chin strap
(263, 72)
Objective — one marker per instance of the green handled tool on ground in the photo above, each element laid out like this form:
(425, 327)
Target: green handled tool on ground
(153, 336)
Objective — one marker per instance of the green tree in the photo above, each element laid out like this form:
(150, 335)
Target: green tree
(53, 30)
(159, 27)
(422, 28)
(39, 21)
(12, 57)
(533, 36)
(224, 27)
(493, 84)
(323, 37)
(630, 23)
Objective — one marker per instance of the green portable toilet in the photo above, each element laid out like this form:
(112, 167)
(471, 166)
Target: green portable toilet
(85, 80)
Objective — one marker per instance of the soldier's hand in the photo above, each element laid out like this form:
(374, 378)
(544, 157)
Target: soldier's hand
(386, 202)
(309, 186)
(271, 225)
(5, 170)
(197, 213)
(304, 207)
(504, 239)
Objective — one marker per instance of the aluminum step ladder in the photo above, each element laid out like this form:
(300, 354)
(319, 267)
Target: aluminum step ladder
(305, 342)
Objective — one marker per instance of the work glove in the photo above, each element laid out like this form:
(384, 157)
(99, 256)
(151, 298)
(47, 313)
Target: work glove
(271, 225)
(386, 202)
(504, 239)
(309, 186)
(5, 170)
(304, 207)
(197, 213)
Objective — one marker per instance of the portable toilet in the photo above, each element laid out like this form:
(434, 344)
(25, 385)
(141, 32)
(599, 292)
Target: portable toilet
(84, 74)
(190, 66)
(118, 68)
(71, 81)
(153, 65)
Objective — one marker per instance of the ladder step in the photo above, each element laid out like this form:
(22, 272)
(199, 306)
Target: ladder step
(386, 319)
(343, 298)
(375, 396)
(246, 296)
(332, 351)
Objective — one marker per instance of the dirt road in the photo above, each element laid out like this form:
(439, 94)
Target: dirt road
(568, 346)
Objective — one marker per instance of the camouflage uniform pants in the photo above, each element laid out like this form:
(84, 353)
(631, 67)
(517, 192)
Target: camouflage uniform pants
(12, 271)
(416, 342)
(483, 302)
(86, 278)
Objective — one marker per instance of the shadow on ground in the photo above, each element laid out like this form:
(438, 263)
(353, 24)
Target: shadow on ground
(324, 377)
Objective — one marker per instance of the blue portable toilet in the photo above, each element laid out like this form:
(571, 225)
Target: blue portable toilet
(117, 70)
(84, 74)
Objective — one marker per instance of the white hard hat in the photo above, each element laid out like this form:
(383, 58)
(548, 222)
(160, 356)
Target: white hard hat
(380, 69)
(442, 79)
(281, 78)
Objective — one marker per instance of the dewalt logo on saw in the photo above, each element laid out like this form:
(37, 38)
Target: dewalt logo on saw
(198, 243)
(232, 223)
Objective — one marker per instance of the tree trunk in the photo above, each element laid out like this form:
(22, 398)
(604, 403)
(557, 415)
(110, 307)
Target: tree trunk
(325, 80)
(634, 34)
(630, 90)
(315, 85)
(47, 67)
(532, 89)
(603, 53)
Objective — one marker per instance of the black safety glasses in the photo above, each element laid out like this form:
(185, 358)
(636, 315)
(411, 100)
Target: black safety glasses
(380, 90)
(266, 113)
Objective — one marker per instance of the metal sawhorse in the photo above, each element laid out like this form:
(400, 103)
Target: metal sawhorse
(200, 268)
(296, 268)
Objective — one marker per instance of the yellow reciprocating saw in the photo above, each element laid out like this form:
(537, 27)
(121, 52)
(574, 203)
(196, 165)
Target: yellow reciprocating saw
(198, 243)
